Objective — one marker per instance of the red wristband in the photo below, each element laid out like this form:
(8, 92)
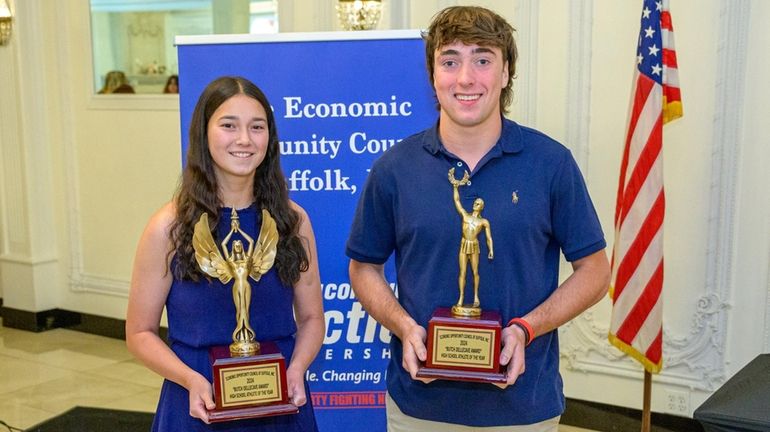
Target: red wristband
(529, 334)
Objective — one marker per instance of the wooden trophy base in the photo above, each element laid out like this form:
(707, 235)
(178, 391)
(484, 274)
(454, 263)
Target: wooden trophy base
(466, 375)
(216, 416)
(249, 387)
(464, 348)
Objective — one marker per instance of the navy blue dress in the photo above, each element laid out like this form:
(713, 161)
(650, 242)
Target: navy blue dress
(202, 314)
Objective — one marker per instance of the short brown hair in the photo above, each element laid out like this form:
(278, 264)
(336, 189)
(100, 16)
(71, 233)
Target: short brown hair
(473, 25)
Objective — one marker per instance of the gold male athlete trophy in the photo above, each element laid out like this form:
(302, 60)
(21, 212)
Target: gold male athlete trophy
(464, 341)
(249, 377)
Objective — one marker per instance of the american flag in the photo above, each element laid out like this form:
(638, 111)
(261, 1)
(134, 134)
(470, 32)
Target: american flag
(636, 326)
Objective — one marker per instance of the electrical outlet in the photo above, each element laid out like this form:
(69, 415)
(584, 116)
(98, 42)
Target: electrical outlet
(677, 402)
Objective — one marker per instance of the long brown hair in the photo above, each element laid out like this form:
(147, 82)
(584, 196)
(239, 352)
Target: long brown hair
(197, 192)
(473, 25)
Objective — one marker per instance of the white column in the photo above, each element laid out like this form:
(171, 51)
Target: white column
(29, 261)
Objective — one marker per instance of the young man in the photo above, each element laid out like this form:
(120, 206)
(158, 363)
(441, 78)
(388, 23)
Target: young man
(537, 202)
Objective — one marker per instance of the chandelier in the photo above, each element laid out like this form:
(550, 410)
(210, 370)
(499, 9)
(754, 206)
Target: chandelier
(359, 14)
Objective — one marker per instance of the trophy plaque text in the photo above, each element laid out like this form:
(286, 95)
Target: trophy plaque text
(464, 341)
(249, 377)
(247, 387)
(464, 349)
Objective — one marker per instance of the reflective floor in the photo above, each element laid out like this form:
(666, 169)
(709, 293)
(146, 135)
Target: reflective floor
(45, 374)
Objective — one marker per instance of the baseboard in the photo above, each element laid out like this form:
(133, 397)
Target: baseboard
(610, 418)
(38, 321)
(59, 318)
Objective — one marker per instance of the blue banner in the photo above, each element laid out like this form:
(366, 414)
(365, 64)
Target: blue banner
(339, 103)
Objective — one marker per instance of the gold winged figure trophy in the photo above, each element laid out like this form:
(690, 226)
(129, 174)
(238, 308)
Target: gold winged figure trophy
(249, 377)
(239, 265)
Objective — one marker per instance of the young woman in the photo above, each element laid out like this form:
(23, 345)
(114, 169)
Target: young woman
(172, 85)
(115, 80)
(232, 163)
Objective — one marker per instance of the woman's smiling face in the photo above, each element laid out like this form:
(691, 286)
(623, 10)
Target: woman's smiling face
(238, 137)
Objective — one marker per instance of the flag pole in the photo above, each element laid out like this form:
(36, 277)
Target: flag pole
(646, 404)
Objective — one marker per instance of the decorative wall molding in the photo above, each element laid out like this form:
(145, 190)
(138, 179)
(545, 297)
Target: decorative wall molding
(12, 217)
(27, 260)
(87, 283)
(15, 206)
(578, 113)
(146, 25)
(441, 4)
(38, 131)
(286, 16)
(767, 306)
(400, 14)
(687, 358)
(732, 52)
(28, 129)
(583, 336)
(101, 102)
(136, 102)
(79, 281)
(697, 359)
(526, 20)
(326, 15)
(15, 223)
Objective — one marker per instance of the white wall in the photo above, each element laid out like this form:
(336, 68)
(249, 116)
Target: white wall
(81, 174)
(716, 244)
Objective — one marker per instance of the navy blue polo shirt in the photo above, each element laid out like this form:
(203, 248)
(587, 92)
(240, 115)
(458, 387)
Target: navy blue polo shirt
(537, 206)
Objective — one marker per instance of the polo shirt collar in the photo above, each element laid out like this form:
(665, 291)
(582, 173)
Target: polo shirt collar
(510, 140)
